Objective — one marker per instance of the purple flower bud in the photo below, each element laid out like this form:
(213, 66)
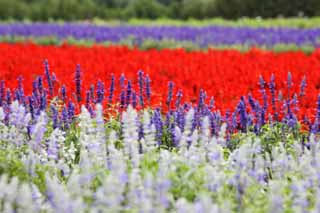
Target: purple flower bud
(100, 92)
(78, 83)
(211, 104)
(272, 87)
(129, 91)
(43, 101)
(134, 99)
(70, 112)
(65, 119)
(2, 93)
(140, 81)
(91, 93)
(148, 88)
(157, 121)
(122, 100)
(31, 106)
(122, 79)
(8, 96)
(49, 80)
(169, 97)
(40, 85)
(178, 100)
(303, 86)
(35, 90)
(55, 120)
(243, 114)
(111, 90)
(63, 93)
(87, 99)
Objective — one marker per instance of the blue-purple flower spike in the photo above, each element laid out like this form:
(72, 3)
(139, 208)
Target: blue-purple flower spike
(2, 93)
(78, 83)
(140, 82)
(148, 89)
(111, 90)
(49, 80)
(63, 93)
(129, 91)
(170, 90)
(303, 86)
(100, 92)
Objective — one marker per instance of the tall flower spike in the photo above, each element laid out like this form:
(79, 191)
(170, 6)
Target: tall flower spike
(289, 84)
(2, 93)
(272, 87)
(303, 86)
(134, 99)
(140, 82)
(100, 92)
(129, 91)
(63, 93)
(169, 97)
(178, 100)
(111, 90)
(148, 89)
(49, 80)
(78, 83)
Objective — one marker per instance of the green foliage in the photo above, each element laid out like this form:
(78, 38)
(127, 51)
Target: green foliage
(152, 9)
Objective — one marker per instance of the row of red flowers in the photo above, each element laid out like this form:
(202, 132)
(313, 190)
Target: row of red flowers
(225, 75)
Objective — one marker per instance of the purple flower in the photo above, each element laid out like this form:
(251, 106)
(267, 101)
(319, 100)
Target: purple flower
(78, 83)
(178, 100)
(129, 91)
(148, 88)
(100, 92)
(170, 90)
(140, 81)
(2, 93)
(63, 93)
(47, 73)
(111, 90)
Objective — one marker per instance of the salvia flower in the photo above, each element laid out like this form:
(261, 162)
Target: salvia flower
(170, 91)
(78, 83)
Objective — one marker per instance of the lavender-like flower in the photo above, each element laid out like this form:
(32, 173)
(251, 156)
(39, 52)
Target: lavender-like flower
(100, 92)
(129, 92)
(31, 106)
(169, 97)
(78, 83)
(91, 95)
(87, 99)
(242, 109)
(303, 86)
(2, 93)
(289, 84)
(63, 93)
(148, 88)
(140, 81)
(178, 99)
(122, 99)
(49, 80)
(43, 101)
(134, 99)
(8, 96)
(111, 90)
(211, 103)
(65, 117)
(70, 112)
(272, 87)
(40, 85)
(55, 118)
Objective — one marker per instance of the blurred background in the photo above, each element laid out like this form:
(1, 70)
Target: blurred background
(44, 10)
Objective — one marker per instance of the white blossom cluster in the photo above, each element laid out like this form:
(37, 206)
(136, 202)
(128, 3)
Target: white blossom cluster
(100, 169)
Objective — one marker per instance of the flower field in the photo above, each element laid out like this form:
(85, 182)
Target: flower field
(121, 129)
